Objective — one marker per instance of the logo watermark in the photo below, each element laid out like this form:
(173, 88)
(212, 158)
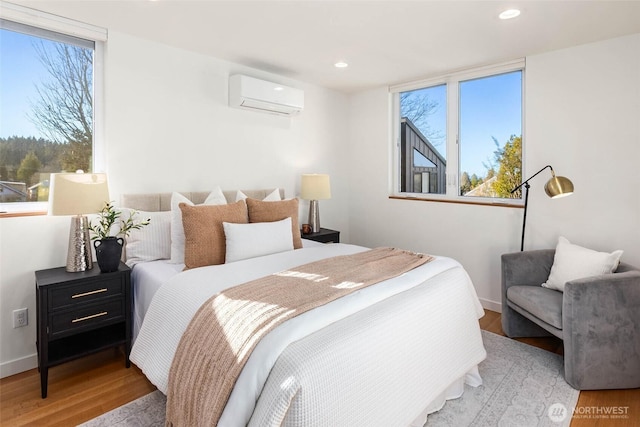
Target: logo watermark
(601, 412)
(558, 412)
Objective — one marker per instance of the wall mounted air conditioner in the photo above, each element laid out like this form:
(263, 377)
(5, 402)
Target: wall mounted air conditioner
(259, 95)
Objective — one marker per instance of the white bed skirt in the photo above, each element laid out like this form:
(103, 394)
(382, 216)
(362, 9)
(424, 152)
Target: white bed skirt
(454, 391)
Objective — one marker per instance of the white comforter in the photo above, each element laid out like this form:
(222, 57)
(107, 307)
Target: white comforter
(177, 301)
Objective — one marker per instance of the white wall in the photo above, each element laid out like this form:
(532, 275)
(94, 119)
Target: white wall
(583, 117)
(582, 114)
(168, 127)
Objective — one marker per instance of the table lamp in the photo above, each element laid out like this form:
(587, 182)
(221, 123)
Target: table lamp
(315, 187)
(78, 194)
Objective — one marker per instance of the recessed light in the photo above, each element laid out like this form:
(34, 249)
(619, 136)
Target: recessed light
(278, 88)
(341, 64)
(509, 14)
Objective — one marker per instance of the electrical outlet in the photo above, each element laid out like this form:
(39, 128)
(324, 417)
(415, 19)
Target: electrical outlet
(20, 317)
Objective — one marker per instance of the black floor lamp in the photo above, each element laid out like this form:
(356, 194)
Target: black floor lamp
(556, 187)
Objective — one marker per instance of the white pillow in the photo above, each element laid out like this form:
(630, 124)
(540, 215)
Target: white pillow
(152, 241)
(274, 196)
(575, 262)
(216, 197)
(256, 239)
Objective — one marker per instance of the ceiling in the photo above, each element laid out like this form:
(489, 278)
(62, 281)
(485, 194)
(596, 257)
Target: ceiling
(384, 42)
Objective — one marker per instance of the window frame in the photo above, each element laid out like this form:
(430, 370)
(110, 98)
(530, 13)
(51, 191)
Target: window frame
(452, 83)
(74, 29)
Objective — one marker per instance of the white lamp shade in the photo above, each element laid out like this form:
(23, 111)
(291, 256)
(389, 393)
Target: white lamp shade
(77, 193)
(315, 187)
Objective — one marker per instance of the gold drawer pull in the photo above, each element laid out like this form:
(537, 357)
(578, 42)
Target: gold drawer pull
(97, 291)
(82, 319)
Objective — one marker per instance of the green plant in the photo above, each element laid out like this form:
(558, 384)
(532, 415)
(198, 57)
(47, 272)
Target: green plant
(109, 216)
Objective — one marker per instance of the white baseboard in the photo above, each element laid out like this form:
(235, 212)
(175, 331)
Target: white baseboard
(491, 305)
(16, 366)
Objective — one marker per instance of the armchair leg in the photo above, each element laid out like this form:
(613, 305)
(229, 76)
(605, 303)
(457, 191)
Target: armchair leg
(515, 325)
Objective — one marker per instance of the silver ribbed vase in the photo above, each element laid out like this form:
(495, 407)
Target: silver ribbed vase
(79, 257)
(314, 216)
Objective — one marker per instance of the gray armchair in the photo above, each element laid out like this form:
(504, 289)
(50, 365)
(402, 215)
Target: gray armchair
(598, 318)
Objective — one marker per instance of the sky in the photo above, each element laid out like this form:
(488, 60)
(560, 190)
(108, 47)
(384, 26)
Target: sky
(20, 71)
(489, 107)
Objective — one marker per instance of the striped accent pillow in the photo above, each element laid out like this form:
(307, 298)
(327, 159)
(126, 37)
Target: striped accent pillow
(151, 242)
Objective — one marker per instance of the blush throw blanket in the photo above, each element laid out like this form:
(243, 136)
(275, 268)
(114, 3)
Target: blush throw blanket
(221, 336)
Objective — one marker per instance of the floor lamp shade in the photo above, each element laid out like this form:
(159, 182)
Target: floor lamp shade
(315, 187)
(556, 187)
(78, 194)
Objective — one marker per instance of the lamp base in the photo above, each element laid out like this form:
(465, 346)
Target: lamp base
(314, 216)
(79, 255)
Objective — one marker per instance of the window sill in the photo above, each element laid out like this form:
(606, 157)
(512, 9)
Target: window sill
(458, 201)
(16, 209)
(17, 214)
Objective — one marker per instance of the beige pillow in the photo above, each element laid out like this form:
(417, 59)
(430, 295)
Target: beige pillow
(177, 233)
(204, 240)
(261, 211)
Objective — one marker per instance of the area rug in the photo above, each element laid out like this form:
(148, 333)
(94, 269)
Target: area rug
(522, 386)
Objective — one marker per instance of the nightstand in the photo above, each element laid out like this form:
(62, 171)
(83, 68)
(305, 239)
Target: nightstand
(325, 235)
(81, 313)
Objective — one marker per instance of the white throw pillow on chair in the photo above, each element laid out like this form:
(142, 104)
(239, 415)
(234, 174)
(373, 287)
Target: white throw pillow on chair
(575, 262)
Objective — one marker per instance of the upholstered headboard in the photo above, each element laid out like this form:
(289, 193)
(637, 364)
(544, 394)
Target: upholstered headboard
(157, 202)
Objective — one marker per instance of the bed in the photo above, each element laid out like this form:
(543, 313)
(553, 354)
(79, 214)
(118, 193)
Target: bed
(386, 355)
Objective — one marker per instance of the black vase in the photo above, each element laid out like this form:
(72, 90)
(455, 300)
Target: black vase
(108, 253)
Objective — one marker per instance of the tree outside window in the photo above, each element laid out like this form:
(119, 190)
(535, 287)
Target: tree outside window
(47, 112)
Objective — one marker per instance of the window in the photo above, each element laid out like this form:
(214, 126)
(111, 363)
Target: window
(460, 136)
(48, 86)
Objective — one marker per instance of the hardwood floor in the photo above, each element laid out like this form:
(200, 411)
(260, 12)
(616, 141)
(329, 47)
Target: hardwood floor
(78, 391)
(85, 388)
